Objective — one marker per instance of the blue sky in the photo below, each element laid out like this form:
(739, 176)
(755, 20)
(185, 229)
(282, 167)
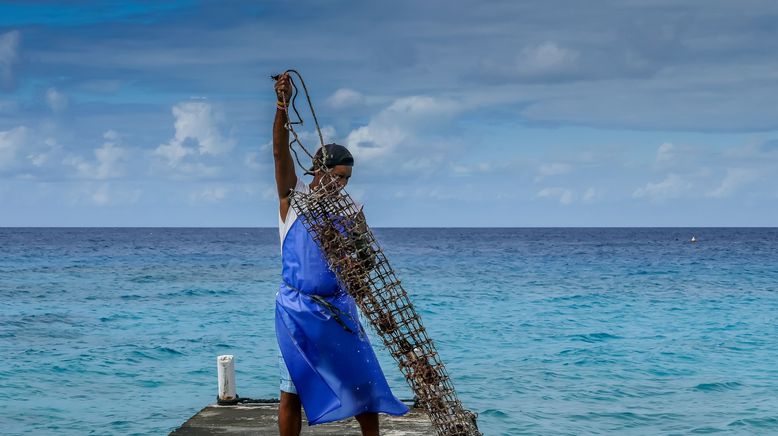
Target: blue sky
(465, 113)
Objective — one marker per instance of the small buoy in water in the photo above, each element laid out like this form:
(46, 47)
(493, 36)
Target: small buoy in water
(693, 239)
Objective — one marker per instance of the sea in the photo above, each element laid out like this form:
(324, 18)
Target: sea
(544, 331)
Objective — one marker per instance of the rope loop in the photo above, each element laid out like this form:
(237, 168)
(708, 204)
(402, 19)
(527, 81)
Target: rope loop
(299, 121)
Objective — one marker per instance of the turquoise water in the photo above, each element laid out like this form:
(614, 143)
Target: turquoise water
(544, 331)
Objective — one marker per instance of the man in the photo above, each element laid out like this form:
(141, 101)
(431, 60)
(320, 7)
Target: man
(327, 364)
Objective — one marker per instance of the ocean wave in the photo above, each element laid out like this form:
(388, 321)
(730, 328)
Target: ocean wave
(594, 337)
(155, 353)
(766, 422)
(718, 386)
(197, 292)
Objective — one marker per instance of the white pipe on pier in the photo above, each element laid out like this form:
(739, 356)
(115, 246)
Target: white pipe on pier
(226, 373)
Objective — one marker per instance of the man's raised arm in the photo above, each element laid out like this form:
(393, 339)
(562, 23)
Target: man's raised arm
(286, 179)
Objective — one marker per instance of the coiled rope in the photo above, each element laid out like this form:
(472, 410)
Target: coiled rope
(290, 124)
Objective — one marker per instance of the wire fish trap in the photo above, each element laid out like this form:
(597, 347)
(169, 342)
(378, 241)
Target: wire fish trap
(339, 227)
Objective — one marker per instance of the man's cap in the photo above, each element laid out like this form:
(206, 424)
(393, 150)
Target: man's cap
(336, 155)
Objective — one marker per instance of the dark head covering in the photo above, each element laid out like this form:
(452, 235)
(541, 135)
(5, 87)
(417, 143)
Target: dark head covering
(336, 155)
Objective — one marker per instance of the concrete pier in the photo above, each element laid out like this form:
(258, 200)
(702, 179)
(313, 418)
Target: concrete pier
(261, 419)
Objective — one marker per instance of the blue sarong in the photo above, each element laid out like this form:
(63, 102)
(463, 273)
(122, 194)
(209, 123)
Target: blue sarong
(328, 355)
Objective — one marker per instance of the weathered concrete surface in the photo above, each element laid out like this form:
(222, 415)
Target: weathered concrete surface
(261, 420)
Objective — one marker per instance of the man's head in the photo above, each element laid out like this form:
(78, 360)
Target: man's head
(335, 157)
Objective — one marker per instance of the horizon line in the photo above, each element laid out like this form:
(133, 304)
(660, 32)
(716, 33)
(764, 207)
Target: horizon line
(398, 227)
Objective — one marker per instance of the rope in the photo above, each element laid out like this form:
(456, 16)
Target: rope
(290, 124)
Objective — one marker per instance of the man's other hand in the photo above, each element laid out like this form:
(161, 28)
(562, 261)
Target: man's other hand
(284, 87)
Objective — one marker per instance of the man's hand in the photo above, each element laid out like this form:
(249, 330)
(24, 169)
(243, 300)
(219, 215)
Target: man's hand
(284, 87)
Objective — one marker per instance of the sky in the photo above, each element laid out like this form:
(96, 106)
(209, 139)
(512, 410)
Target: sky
(459, 113)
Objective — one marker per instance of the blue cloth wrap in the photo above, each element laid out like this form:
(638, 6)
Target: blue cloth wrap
(335, 371)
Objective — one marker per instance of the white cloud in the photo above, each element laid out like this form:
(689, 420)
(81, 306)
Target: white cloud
(197, 129)
(671, 187)
(111, 135)
(173, 152)
(38, 159)
(9, 47)
(345, 97)
(56, 100)
(108, 160)
(589, 195)
(546, 57)
(41, 154)
(252, 161)
(564, 195)
(193, 170)
(395, 125)
(199, 121)
(106, 195)
(432, 192)
(374, 140)
(420, 164)
(735, 178)
(101, 196)
(552, 169)
(460, 169)
(11, 142)
(269, 193)
(310, 138)
(211, 194)
(665, 153)
(83, 167)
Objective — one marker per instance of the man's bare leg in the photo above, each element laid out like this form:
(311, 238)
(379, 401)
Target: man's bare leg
(369, 423)
(290, 416)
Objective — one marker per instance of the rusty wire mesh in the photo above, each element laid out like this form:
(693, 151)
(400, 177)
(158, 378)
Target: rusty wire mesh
(338, 226)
